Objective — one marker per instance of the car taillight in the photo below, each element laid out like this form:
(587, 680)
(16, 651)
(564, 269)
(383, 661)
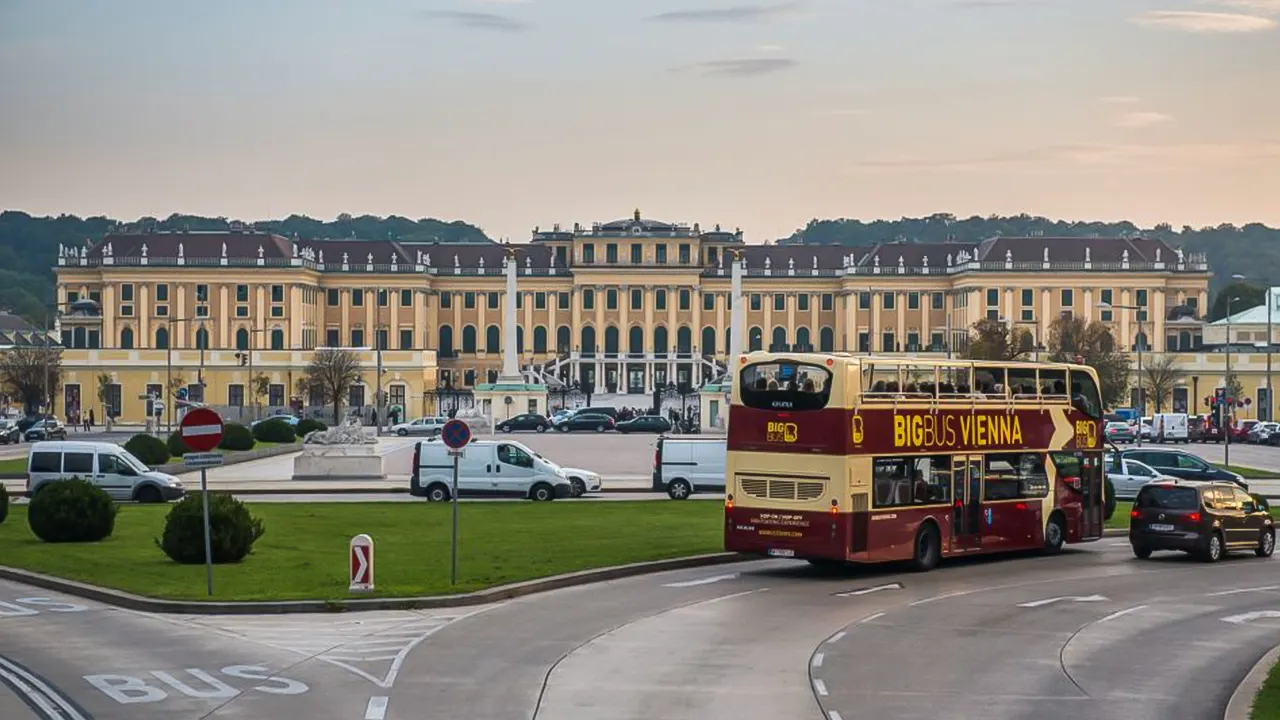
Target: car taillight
(1133, 513)
(1194, 517)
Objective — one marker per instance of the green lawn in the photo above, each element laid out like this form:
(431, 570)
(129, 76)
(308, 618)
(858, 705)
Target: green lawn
(304, 552)
(1249, 473)
(1266, 704)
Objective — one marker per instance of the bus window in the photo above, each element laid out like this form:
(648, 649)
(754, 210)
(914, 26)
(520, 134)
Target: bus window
(989, 381)
(919, 382)
(1022, 383)
(1053, 383)
(881, 380)
(901, 481)
(955, 381)
(1084, 394)
(1012, 476)
(785, 386)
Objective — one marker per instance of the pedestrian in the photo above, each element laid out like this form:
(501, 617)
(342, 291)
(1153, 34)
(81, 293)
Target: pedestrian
(89, 423)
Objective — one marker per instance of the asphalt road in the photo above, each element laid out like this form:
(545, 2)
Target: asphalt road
(1093, 633)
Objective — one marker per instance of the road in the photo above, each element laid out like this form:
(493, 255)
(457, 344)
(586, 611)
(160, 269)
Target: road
(1093, 633)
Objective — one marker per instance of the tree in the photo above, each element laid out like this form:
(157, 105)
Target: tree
(176, 383)
(260, 386)
(997, 340)
(1243, 296)
(31, 375)
(1160, 376)
(1073, 340)
(104, 387)
(1235, 390)
(331, 375)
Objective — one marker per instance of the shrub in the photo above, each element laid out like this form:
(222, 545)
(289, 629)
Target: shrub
(274, 430)
(72, 510)
(236, 437)
(150, 449)
(4, 503)
(177, 448)
(232, 530)
(308, 426)
(1110, 499)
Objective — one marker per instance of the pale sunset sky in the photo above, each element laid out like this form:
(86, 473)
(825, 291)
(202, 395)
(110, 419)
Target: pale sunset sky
(511, 114)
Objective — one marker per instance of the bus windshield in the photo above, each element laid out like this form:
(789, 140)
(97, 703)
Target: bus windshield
(785, 385)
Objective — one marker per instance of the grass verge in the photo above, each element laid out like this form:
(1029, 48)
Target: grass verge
(1266, 704)
(1120, 521)
(303, 554)
(1249, 473)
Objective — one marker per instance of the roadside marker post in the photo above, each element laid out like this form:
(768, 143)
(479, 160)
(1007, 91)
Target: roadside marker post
(201, 430)
(455, 434)
(361, 562)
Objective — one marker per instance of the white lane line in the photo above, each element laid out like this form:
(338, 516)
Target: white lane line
(1122, 613)
(871, 618)
(944, 596)
(701, 581)
(868, 591)
(376, 709)
(833, 715)
(1237, 591)
(820, 686)
(817, 660)
(837, 637)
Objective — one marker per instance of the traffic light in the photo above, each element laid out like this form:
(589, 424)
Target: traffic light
(243, 358)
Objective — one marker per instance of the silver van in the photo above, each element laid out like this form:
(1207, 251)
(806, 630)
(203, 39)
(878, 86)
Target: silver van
(487, 468)
(682, 466)
(107, 465)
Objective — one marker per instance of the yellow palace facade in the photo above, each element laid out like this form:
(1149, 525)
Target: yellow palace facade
(233, 318)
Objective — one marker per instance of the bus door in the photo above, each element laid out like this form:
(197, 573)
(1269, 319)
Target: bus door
(966, 496)
(1092, 502)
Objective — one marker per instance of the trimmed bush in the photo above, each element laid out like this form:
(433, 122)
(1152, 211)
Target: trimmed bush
(236, 437)
(274, 430)
(4, 503)
(177, 448)
(148, 448)
(72, 510)
(232, 530)
(308, 426)
(1110, 499)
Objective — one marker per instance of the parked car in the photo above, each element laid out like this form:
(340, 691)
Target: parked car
(682, 466)
(1128, 476)
(1202, 429)
(486, 468)
(1261, 432)
(50, 429)
(527, 421)
(290, 420)
(1205, 519)
(9, 432)
(1240, 431)
(1120, 432)
(28, 421)
(586, 421)
(1171, 427)
(645, 424)
(1183, 465)
(422, 426)
(107, 465)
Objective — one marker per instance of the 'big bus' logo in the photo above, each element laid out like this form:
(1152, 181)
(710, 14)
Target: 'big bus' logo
(782, 432)
(1086, 434)
(857, 430)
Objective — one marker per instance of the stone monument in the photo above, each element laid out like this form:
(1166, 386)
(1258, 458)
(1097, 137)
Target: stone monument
(512, 394)
(342, 452)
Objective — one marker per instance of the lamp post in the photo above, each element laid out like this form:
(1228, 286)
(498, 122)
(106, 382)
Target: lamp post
(1226, 439)
(1142, 390)
(1271, 403)
(168, 371)
(247, 357)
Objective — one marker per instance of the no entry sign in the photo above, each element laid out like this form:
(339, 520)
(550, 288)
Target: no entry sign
(201, 430)
(361, 563)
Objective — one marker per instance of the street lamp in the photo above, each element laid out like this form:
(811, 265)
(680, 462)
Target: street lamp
(1271, 403)
(1142, 390)
(1226, 448)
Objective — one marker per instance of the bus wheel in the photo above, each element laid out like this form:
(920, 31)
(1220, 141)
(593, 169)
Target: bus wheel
(1054, 535)
(928, 548)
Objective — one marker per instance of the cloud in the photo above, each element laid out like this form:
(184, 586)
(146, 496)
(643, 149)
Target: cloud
(1120, 99)
(731, 14)
(1205, 22)
(1086, 156)
(1266, 7)
(1141, 119)
(479, 20)
(744, 67)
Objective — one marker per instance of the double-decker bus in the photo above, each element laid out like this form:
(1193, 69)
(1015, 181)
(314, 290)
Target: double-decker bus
(838, 458)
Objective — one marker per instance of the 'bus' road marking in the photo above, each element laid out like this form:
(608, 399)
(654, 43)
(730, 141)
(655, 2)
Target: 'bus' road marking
(817, 660)
(837, 637)
(1122, 613)
(1073, 598)
(377, 708)
(701, 581)
(868, 591)
(1248, 617)
(1237, 591)
(820, 686)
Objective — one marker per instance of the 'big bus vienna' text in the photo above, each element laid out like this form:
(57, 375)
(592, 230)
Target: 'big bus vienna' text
(948, 431)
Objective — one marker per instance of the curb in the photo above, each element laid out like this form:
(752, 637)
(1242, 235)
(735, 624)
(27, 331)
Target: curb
(139, 603)
(1241, 702)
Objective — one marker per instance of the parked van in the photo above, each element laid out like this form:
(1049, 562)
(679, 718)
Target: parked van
(487, 468)
(683, 466)
(1171, 427)
(107, 465)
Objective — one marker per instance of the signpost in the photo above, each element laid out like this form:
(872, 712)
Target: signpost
(455, 434)
(201, 430)
(361, 550)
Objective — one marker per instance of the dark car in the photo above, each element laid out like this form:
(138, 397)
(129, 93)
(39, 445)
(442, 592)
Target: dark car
(1205, 519)
(586, 421)
(528, 421)
(29, 421)
(50, 429)
(645, 424)
(1120, 432)
(10, 432)
(1183, 465)
(1202, 430)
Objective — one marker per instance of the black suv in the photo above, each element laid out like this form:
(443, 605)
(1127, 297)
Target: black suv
(1204, 519)
(1182, 465)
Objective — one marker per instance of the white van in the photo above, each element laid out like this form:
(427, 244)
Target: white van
(106, 465)
(487, 468)
(683, 465)
(1170, 427)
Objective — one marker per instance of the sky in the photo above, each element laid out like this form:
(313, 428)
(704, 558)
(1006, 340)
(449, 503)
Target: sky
(512, 114)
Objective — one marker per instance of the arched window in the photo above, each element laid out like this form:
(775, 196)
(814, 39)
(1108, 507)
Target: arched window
(728, 339)
(802, 340)
(446, 341)
(202, 339)
(242, 339)
(539, 339)
(1140, 342)
(469, 339)
(779, 341)
(827, 340)
(519, 338)
(708, 340)
(162, 338)
(492, 339)
(611, 340)
(684, 340)
(635, 340)
(277, 339)
(126, 339)
(755, 339)
(659, 340)
(588, 340)
(564, 338)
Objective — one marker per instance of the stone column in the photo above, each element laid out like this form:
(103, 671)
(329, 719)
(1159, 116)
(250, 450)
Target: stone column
(737, 315)
(510, 364)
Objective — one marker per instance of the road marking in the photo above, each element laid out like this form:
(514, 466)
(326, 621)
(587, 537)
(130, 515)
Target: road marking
(1073, 598)
(1121, 613)
(820, 686)
(817, 660)
(1248, 617)
(377, 708)
(833, 715)
(868, 591)
(944, 596)
(51, 702)
(701, 581)
(1237, 591)
(871, 618)
(837, 637)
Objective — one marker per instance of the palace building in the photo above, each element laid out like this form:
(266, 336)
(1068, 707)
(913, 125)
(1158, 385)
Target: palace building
(627, 306)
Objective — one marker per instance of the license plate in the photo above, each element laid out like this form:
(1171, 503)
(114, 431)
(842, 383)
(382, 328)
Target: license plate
(1160, 528)
(775, 552)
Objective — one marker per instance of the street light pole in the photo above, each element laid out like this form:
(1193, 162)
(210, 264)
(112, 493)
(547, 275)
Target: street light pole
(1226, 431)
(1271, 401)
